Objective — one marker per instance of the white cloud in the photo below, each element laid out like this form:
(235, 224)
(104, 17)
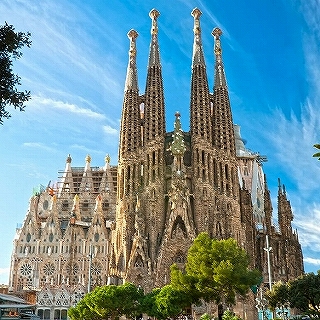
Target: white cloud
(293, 141)
(109, 130)
(65, 106)
(309, 231)
(64, 54)
(38, 145)
(313, 261)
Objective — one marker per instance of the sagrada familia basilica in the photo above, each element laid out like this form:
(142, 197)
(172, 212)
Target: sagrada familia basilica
(131, 222)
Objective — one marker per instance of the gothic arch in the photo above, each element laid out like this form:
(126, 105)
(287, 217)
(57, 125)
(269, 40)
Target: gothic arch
(178, 226)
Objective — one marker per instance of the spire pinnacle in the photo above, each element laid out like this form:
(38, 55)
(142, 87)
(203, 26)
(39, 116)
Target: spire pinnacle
(132, 79)
(219, 78)
(154, 14)
(216, 32)
(279, 186)
(198, 58)
(88, 158)
(196, 13)
(154, 55)
(178, 147)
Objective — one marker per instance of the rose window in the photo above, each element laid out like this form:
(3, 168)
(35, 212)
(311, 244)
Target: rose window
(26, 269)
(73, 269)
(49, 269)
(96, 268)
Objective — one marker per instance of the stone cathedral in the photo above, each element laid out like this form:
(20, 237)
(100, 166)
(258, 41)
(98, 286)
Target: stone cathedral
(130, 222)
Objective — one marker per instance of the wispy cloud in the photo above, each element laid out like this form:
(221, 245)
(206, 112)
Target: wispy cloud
(43, 104)
(293, 137)
(292, 140)
(313, 261)
(38, 145)
(309, 231)
(72, 108)
(109, 130)
(65, 48)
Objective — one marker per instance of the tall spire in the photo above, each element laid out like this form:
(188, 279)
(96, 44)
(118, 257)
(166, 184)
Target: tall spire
(130, 122)
(285, 215)
(132, 78)
(154, 118)
(223, 132)
(200, 123)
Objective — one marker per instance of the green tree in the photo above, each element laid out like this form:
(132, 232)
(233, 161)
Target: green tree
(304, 294)
(109, 302)
(278, 297)
(82, 312)
(229, 315)
(10, 44)
(165, 302)
(317, 155)
(205, 316)
(216, 270)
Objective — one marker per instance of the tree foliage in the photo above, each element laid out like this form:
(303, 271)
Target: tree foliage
(229, 315)
(278, 296)
(109, 302)
(216, 270)
(317, 154)
(10, 44)
(165, 302)
(304, 293)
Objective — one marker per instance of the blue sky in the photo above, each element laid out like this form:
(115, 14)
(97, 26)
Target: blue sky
(76, 70)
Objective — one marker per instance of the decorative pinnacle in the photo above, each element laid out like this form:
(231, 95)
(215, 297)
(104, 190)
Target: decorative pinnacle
(154, 14)
(69, 158)
(196, 13)
(132, 35)
(177, 124)
(216, 32)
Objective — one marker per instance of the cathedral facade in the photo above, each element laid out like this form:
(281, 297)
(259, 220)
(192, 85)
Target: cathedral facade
(131, 222)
